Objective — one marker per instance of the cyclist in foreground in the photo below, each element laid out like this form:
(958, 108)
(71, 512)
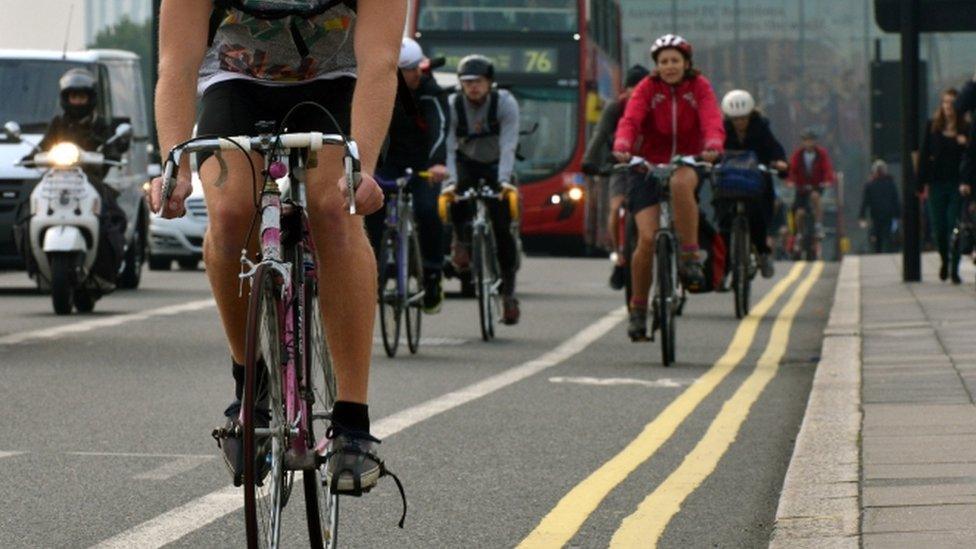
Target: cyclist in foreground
(311, 54)
(597, 153)
(675, 112)
(417, 141)
(746, 129)
(810, 172)
(481, 144)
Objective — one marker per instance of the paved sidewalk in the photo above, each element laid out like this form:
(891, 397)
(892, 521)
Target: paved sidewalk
(886, 455)
(918, 452)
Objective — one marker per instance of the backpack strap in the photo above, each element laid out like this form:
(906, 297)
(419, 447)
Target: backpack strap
(494, 126)
(462, 117)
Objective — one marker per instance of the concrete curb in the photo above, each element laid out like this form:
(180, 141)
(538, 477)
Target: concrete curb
(820, 502)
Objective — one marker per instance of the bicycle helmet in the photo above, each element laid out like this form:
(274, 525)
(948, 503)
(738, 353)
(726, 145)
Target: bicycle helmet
(671, 41)
(809, 133)
(78, 80)
(476, 66)
(738, 103)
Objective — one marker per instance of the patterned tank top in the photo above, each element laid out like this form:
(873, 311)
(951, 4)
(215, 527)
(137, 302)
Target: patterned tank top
(268, 50)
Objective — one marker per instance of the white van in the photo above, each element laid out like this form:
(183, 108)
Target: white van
(29, 87)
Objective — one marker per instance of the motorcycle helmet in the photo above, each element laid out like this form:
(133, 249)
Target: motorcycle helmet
(78, 80)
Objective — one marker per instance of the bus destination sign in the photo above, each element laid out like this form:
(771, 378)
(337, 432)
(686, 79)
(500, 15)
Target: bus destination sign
(516, 60)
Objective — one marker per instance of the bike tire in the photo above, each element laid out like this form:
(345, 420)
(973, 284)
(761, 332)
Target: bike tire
(265, 492)
(321, 506)
(741, 281)
(388, 297)
(629, 235)
(415, 285)
(481, 289)
(665, 295)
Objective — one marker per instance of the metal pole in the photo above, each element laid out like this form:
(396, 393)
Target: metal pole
(154, 71)
(911, 253)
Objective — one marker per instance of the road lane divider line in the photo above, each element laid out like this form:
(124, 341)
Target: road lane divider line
(185, 519)
(10, 454)
(647, 524)
(559, 526)
(55, 332)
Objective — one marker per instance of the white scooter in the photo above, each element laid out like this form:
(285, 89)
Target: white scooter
(64, 223)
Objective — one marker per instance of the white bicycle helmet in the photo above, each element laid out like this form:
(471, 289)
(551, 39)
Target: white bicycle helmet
(671, 41)
(738, 103)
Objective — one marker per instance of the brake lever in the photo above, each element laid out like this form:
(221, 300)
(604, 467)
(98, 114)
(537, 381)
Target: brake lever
(353, 173)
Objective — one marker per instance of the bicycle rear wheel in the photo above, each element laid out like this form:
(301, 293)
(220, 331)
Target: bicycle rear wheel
(321, 506)
(483, 282)
(415, 285)
(741, 281)
(266, 484)
(389, 299)
(665, 297)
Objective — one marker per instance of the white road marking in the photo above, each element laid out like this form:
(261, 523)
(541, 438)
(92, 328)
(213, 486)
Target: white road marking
(176, 523)
(9, 454)
(665, 382)
(140, 455)
(430, 341)
(88, 325)
(172, 468)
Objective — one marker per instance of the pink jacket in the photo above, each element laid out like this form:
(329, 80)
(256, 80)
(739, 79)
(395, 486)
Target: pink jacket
(663, 120)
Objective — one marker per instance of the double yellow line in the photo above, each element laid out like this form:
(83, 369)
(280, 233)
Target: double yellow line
(646, 525)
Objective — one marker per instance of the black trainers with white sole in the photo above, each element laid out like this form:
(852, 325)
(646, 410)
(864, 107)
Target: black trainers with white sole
(352, 466)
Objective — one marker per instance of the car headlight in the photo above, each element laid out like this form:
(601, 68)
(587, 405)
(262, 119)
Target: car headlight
(65, 154)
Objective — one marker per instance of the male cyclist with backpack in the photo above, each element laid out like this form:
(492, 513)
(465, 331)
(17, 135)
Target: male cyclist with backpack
(258, 60)
(671, 112)
(481, 144)
(598, 152)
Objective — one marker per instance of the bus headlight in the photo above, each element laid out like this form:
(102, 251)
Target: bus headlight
(65, 154)
(556, 199)
(575, 194)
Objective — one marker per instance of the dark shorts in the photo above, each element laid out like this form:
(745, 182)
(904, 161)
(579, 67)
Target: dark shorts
(234, 107)
(802, 200)
(645, 191)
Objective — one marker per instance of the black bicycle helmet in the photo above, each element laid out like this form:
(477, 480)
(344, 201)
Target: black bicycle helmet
(474, 66)
(78, 80)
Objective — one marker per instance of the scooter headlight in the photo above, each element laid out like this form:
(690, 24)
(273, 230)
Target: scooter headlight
(65, 154)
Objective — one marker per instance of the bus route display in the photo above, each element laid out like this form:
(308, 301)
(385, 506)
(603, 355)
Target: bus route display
(531, 60)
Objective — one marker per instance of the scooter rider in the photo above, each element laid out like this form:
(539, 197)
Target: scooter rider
(81, 124)
(481, 144)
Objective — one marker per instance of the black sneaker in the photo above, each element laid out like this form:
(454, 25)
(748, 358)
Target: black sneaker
(617, 277)
(352, 464)
(511, 312)
(433, 294)
(691, 272)
(230, 440)
(637, 325)
(766, 266)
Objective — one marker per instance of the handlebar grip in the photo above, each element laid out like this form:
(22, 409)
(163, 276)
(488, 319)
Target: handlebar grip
(170, 171)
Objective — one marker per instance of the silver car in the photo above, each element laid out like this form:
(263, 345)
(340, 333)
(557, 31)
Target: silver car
(179, 239)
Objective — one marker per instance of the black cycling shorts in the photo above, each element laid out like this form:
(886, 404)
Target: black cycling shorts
(233, 107)
(622, 183)
(645, 191)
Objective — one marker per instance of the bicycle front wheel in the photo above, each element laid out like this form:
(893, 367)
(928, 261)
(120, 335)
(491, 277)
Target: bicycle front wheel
(321, 506)
(665, 298)
(389, 298)
(415, 285)
(483, 283)
(741, 281)
(266, 484)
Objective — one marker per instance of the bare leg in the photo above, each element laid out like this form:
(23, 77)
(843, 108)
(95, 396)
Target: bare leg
(684, 181)
(230, 209)
(643, 258)
(348, 279)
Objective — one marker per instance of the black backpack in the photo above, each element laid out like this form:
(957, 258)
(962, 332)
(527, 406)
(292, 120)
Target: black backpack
(321, 6)
(463, 131)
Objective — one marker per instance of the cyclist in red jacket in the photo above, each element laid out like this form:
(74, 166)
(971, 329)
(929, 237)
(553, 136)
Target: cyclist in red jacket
(810, 171)
(671, 112)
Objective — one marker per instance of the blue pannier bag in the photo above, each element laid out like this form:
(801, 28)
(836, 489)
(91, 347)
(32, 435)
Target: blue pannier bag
(739, 176)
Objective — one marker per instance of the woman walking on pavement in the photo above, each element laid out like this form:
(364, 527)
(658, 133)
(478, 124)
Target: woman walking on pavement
(938, 174)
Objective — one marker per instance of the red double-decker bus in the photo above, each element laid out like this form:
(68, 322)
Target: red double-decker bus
(559, 58)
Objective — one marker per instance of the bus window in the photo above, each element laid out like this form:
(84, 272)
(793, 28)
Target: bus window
(553, 144)
(498, 15)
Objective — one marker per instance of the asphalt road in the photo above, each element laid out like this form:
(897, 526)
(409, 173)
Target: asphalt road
(560, 432)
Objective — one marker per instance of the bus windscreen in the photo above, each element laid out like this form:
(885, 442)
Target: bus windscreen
(552, 111)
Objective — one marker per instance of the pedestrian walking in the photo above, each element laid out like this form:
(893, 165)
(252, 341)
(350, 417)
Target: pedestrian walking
(938, 172)
(880, 201)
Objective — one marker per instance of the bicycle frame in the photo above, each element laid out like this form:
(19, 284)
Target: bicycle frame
(399, 218)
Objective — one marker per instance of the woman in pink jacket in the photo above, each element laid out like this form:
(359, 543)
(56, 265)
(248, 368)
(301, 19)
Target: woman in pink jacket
(671, 112)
